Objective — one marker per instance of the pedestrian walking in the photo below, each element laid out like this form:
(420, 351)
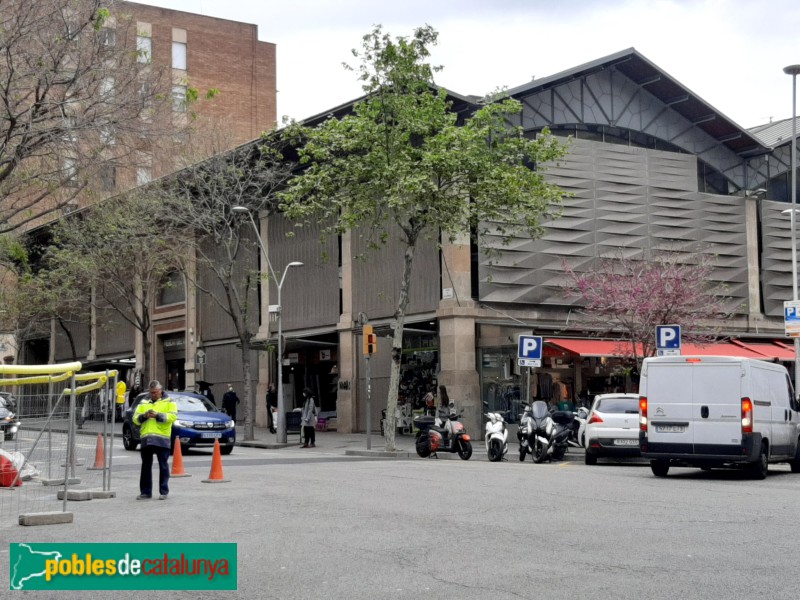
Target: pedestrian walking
(205, 390)
(155, 417)
(309, 419)
(229, 402)
(272, 406)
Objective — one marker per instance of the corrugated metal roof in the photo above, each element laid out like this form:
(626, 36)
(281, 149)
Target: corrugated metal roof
(776, 133)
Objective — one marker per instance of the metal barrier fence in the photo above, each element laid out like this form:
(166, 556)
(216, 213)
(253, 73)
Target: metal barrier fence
(46, 463)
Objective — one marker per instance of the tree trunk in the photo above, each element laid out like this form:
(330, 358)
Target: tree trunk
(249, 397)
(397, 348)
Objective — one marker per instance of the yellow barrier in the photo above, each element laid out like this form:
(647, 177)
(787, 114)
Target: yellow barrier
(88, 388)
(38, 379)
(39, 369)
(94, 375)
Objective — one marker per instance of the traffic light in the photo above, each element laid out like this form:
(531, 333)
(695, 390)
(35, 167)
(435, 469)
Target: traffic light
(370, 340)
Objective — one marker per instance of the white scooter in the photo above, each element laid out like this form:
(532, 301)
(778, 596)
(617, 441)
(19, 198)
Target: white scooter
(496, 437)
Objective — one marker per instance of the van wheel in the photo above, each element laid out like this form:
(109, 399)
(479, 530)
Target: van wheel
(759, 468)
(660, 468)
(795, 464)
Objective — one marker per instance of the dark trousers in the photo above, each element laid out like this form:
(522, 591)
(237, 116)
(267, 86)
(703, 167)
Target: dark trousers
(308, 433)
(270, 419)
(146, 477)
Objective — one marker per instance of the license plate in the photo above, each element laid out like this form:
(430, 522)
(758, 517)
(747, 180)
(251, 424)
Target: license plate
(670, 428)
(626, 442)
(214, 434)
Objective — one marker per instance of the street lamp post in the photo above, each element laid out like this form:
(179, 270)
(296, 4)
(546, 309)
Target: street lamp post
(281, 421)
(793, 70)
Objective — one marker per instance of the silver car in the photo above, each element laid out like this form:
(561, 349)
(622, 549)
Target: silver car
(612, 428)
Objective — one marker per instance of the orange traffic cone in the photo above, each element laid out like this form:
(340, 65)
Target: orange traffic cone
(99, 455)
(9, 476)
(177, 462)
(216, 476)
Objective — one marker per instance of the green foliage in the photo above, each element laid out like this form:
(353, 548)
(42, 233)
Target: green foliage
(404, 158)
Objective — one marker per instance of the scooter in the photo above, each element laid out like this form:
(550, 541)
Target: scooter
(542, 433)
(447, 437)
(496, 437)
(579, 426)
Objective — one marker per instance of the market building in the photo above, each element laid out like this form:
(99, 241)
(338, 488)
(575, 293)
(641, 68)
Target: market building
(651, 166)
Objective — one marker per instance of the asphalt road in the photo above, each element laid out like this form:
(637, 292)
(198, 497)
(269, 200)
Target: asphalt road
(316, 524)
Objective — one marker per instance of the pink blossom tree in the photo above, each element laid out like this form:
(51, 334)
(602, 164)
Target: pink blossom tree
(629, 295)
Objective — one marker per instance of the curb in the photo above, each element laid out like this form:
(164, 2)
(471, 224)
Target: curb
(379, 453)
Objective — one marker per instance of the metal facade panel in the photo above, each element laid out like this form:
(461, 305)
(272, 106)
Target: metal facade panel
(115, 335)
(377, 277)
(224, 366)
(213, 322)
(776, 257)
(310, 294)
(649, 210)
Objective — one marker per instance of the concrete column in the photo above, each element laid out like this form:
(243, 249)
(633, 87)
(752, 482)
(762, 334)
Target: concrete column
(347, 394)
(457, 341)
(753, 279)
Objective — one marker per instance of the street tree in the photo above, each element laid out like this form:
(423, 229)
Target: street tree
(80, 105)
(404, 161)
(630, 294)
(200, 200)
(117, 256)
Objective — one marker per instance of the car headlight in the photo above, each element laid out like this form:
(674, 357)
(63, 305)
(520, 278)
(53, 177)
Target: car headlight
(180, 423)
(229, 424)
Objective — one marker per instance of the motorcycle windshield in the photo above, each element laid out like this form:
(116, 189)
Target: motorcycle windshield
(539, 410)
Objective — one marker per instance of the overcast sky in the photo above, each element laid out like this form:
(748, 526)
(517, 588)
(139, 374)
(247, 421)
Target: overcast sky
(729, 52)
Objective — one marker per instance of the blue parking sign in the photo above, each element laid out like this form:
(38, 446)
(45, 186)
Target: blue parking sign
(668, 337)
(530, 347)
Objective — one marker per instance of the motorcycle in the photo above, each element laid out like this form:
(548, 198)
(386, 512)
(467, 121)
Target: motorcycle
(434, 437)
(544, 434)
(496, 437)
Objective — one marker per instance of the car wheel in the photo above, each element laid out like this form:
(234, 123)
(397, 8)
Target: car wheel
(590, 459)
(795, 464)
(226, 449)
(464, 450)
(760, 468)
(660, 468)
(127, 439)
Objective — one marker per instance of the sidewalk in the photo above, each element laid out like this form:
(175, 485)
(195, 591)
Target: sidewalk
(351, 444)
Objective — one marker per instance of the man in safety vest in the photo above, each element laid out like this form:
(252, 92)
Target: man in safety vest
(155, 417)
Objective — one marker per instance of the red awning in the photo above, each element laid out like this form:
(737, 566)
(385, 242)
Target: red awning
(594, 347)
(589, 347)
(771, 350)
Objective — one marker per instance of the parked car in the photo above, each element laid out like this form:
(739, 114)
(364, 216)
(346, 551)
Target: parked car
(199, 423)
(9, 423)
(612, 429)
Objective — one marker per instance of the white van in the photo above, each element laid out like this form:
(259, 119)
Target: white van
(717, 411)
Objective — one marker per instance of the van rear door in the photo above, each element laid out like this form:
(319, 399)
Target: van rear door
(694, 407)
(717, 410)
(669, 407)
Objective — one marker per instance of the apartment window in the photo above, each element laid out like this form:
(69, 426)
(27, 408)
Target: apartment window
(144, 48)
(107, 87)
(108, 178)
(172, 289)
(70, 172)
(108, 37)
(144, 175)
(179, 55)
(179, 98)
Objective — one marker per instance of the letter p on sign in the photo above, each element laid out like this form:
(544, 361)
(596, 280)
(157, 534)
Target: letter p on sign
(529, 346)
(668, 337)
